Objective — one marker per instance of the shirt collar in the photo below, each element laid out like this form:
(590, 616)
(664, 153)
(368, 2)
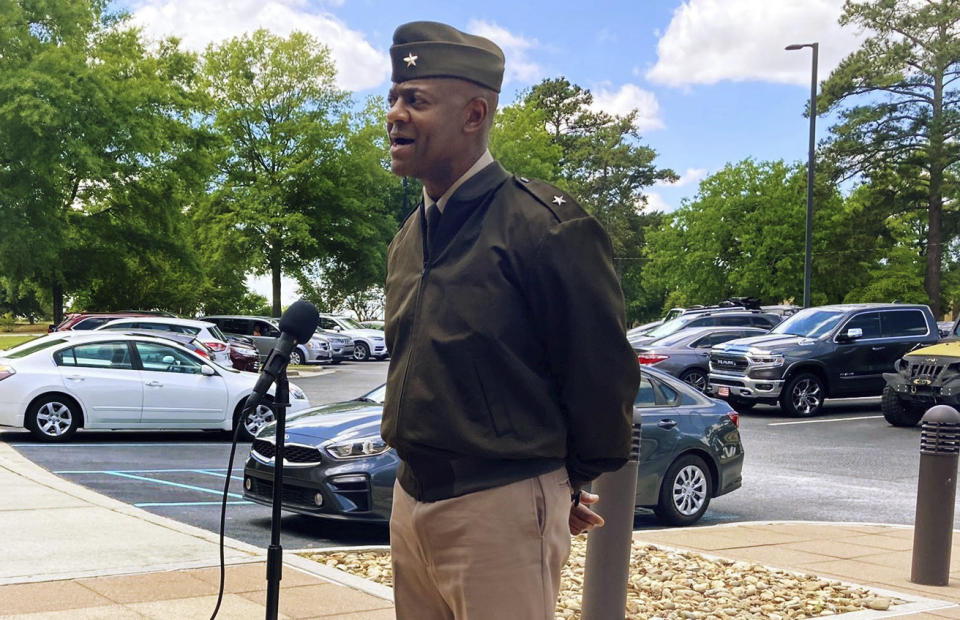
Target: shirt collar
(485, 160)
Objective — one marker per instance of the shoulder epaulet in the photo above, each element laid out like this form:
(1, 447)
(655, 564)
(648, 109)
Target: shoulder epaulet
(561, 204)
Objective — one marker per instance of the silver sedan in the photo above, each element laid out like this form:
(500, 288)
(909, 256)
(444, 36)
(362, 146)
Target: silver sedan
(686, 354)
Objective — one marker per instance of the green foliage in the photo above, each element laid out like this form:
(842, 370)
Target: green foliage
(903, 104)
(519, 140)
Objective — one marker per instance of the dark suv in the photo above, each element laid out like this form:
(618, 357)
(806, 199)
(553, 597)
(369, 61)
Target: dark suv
(836, 351)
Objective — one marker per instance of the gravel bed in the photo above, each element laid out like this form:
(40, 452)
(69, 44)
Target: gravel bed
(665, 585)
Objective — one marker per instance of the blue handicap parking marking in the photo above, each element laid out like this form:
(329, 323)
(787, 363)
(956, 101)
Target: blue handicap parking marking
(148, 477)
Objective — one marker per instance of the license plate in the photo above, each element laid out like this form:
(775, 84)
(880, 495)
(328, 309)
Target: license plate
(723, 391)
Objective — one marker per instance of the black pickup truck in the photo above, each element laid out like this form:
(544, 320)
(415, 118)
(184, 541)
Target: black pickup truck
(837, 351)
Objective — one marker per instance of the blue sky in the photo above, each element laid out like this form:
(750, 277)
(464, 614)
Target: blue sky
(710, 78)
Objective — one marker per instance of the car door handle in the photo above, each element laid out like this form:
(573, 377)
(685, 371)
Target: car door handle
(75, 378)
(668, 424)
(153, 383)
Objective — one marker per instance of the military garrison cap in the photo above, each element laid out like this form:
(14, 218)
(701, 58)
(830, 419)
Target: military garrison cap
(431, 49)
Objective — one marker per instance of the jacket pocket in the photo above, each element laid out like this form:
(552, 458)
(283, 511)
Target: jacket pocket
(499, 418)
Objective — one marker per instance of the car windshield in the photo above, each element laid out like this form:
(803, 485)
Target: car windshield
(671, 340)
(350, 323)
(28, 348)
(216, 333)
(376, 396)
(810, 323)
(667, 328)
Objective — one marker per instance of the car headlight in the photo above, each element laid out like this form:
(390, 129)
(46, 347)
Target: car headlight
(765, 359)
(311, 344)
(359, 447)
(297, 393)
(377, 338)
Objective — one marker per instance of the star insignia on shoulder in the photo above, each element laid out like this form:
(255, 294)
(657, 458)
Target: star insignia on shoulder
(558, 200)
(411, 59)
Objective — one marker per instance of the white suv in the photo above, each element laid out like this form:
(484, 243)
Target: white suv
(368, 343)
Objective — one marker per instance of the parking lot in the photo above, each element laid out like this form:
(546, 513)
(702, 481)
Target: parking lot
(845, 465)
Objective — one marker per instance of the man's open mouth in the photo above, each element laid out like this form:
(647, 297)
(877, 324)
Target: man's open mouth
(400, 141)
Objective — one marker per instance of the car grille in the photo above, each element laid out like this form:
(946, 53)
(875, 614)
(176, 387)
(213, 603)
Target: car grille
(289, 494)
(925, 370)
(731, 364)
(292, 452)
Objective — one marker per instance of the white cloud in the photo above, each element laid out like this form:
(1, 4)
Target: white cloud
(359, 65)
(629, 97)
(692, 175)
(655, 202)
(519, 67)
(708, 41)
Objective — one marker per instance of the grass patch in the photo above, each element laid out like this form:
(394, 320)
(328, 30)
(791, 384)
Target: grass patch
(23, 328)
(8, 341)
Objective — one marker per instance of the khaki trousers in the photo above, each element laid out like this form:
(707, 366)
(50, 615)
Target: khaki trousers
(490, 555)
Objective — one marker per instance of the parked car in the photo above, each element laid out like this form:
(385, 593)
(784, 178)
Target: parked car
(922, 378)
(340, 467)
(243, 354)
(686, 353)
(264, 331)
(367, 342)
(341, 346)
(372, 324)
(91, 320)
(947, 330)
(208, 333)
(640, 330)
(837, 351)
(708, 318)
(61, 382)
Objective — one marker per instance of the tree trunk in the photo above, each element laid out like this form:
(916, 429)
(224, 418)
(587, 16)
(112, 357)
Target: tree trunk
(275, 276)
(57, 293)
(931, 279)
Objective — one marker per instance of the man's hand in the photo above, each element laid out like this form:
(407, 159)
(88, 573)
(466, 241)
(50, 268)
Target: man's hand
(582, 519)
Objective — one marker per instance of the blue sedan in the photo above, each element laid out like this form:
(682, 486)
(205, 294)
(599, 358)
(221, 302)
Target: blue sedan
(338, 467)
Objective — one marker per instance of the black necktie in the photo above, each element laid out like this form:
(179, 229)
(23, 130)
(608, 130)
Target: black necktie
(433, 219)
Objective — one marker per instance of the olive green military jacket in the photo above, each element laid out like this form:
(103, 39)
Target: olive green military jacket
(507, 340)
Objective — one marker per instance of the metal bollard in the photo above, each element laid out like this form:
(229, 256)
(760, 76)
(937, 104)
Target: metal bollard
(607, 565)
(936, 492)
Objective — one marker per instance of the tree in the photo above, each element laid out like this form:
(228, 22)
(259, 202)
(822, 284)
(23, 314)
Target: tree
(93, 129)
(279, 111)
(520, 141)
(905, 76)
(743, 235)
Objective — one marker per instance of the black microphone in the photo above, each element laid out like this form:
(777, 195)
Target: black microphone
(297, 326)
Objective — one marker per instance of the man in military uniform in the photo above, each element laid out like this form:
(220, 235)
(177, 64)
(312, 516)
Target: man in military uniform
(511, 382)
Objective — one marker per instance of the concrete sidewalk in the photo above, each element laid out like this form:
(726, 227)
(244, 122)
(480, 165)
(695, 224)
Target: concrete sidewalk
(70, 553)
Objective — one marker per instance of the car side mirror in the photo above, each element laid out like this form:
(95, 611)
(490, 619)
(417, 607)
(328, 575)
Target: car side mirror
(206, 371)
(852, 334)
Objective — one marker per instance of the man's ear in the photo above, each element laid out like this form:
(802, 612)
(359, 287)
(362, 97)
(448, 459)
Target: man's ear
(476, 112)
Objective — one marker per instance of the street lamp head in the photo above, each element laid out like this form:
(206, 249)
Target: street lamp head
(797, 46)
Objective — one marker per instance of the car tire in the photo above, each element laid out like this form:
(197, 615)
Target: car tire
(685, 491)
(296, 358)
(53, 418)
(896, 412)
(361, 352)
(696, 378)
(252, 421)
(803, 395)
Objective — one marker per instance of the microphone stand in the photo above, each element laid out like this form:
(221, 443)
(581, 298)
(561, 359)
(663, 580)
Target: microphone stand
(275, 551)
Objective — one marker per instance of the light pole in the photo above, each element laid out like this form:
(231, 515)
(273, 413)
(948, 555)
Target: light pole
(813, 140)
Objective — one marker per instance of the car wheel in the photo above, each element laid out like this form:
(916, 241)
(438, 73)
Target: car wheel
(696, 378)
(803, 395)
(252, 421)
(53, 418)
(361, 352)
(896, 412)
(685, 491)
(296, 358)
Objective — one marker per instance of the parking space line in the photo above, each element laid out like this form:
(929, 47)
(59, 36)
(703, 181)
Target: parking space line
(863, 417)
(157, 504)
(214, 472)
(172, 484)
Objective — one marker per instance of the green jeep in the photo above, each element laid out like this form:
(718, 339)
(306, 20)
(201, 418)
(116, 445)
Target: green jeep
(924, 378)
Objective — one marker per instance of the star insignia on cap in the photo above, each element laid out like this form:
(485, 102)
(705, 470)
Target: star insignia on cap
(558, 200)
(411, 59)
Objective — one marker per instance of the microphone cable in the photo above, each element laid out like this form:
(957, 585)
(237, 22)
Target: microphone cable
(223, 509)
